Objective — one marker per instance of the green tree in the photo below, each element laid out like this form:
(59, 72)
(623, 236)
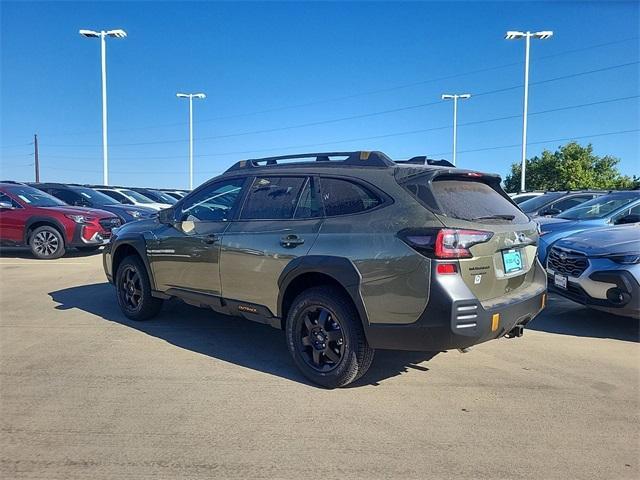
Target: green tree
(571, 167)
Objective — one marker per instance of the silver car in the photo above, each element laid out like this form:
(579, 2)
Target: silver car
(599, 268)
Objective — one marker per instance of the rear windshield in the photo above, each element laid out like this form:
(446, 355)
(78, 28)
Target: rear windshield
(466, 200)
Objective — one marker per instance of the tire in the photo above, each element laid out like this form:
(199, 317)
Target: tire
(133, 290)
(89, 249)
(326, 339)
(46, 243)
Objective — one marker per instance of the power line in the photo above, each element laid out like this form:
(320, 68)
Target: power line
(565, 139)
(540, 142)
(359, 116)
(373, 92)
(375, 137)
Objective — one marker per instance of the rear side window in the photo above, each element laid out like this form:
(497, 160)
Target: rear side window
(343, 197)
(466, 200)
(272, 198)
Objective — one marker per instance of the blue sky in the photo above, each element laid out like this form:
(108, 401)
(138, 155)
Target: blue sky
(267, 67)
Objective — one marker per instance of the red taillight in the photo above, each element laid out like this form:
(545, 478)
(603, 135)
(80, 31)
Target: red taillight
(444, 242)
(447, 269)
(456, 243)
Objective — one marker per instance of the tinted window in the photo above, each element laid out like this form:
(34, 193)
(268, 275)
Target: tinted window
(272, 198)
(468, 200)
(66, 196)
(534, 204)
(213, 203)
(342, 197)
(309, 204)
(567, 203)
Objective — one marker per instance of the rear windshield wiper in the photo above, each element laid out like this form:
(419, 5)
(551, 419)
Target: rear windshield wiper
(497, 217)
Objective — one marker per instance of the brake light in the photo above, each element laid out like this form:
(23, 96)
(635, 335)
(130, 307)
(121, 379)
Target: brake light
(456, 243)
(445, 243)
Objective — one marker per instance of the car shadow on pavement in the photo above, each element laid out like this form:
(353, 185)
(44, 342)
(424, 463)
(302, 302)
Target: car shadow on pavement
(231, 339)
(562, 316)
(21, 252)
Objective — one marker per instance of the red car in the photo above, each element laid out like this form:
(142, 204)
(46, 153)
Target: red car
(31, 217)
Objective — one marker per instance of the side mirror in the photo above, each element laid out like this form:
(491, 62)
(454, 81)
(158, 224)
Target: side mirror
(6, 206)
(167, 216)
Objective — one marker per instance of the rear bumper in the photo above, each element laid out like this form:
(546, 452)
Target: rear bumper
(454, 318)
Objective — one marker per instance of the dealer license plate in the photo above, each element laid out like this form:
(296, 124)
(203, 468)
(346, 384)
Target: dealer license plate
(512, 261)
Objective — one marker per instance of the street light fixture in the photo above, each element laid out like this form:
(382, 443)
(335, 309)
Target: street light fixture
(118, 33)
(191, 96)
(455, 98)
(515, 35)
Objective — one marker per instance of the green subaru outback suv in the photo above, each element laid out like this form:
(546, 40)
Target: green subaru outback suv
(346, 252)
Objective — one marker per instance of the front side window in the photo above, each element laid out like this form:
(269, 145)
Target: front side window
(343, 197)
(272, 198)
(4, 198)
(214, 203)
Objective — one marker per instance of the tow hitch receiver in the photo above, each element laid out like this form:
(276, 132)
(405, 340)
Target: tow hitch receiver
(516, 332)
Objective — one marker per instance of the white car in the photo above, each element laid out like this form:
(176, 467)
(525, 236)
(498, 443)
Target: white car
(130, 197)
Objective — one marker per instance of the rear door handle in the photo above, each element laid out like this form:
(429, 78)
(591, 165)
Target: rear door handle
(211, 238)
(291, 241)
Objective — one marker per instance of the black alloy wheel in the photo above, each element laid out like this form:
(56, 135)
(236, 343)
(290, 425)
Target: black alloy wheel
(321, 339)
(133, 290)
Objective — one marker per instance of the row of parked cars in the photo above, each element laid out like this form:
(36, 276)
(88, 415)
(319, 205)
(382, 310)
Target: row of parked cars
(347, 252)
(50, 218)
(589, 240)
(590, 245)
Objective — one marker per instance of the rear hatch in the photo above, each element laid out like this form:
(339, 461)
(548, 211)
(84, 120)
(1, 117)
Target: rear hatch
(474, 206)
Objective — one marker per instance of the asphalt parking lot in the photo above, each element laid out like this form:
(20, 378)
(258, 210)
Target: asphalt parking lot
(86, 393)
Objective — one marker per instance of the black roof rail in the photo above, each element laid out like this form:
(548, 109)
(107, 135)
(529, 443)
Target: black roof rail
(14, 182)
(423, 160)
(357, 158)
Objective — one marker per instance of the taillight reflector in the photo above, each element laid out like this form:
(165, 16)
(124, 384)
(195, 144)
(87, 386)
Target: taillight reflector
(447, 269)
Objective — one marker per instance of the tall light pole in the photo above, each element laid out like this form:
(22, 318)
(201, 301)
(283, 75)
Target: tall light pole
(191, 96)
(103, 34)
(455, 98)
(511, 35)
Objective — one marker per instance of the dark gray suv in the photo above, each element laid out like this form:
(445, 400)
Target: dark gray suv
(346, 252)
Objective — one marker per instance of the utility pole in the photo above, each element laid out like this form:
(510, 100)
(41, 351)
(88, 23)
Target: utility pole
(35, 155)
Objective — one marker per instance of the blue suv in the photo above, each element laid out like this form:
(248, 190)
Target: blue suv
(616, 208)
